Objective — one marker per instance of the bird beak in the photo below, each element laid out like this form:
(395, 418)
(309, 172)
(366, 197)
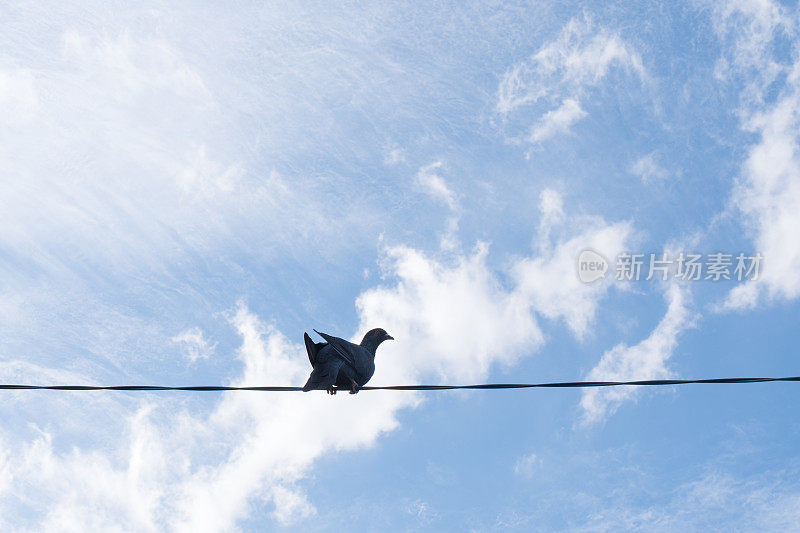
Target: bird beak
(388, 337)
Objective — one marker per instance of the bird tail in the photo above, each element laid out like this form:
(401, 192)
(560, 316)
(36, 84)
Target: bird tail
(312, 382)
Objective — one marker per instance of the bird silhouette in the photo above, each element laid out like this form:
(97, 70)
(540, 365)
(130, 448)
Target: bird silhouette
(340, 363)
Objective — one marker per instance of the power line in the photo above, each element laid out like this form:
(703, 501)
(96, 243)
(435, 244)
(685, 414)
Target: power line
(562, 384)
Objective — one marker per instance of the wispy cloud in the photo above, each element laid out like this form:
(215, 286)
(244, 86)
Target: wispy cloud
(526, 465)
(422, 511)
(195, 345)
(646, 360)
(648, 169)
(560, 74)
(557, 121)
(429, 179)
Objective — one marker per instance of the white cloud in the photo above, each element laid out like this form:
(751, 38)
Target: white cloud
(551, 205)
(428, 177)
(550, 282)
(748, 28)
(463, 300)
(560, 74)
(290, 505)
(195, 345)
(580, 56)
(648, 169)
(458, 314)
(769, 196)
(526, 465)
(646, 360)
(557, 121)
(768, 192)
(434, 185)
(422, 511)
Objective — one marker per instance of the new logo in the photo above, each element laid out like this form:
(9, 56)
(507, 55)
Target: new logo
(591, 266)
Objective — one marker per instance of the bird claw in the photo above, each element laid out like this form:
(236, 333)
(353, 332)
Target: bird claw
(353, 387)
(331, 390)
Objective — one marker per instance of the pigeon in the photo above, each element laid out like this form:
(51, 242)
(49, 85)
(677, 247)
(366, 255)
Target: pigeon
(342, 363)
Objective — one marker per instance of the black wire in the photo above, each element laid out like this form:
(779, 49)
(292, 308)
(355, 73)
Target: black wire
(566, 384)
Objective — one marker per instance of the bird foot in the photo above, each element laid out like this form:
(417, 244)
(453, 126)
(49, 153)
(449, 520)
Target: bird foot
(331, 390)
(353, 387)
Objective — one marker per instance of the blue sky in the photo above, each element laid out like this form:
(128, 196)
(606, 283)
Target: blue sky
(186, 188)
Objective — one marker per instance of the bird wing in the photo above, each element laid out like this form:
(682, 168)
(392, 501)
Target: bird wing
(312, 348)
(341, 348)
(324, 374)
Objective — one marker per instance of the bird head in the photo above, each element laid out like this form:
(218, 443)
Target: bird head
(375, 337)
